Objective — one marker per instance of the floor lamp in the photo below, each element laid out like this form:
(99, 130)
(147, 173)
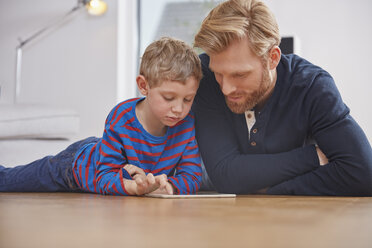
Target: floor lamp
(94, 7)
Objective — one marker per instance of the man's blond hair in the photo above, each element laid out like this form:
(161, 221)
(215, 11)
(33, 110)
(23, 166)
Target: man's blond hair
(169, 59)
(235, 20)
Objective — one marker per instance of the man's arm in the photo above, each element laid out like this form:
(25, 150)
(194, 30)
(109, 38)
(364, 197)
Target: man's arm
(229, 169)
(349, 171)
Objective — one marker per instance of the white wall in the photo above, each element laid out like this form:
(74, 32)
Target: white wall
(128, 46)
(336, 35)
(60, 69)
(74, 66)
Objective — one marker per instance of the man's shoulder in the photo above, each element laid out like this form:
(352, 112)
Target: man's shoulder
(204, 58)
(299, 71)
(300, 80)
(295, 64)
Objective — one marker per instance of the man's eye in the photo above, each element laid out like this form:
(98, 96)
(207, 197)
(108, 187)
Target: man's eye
(217, 75)
(240, 75)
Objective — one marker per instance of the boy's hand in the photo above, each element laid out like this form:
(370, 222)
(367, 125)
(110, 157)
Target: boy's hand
(164, 186)
(134, 170)
(153, 184)
(139, 185)
(144, 184)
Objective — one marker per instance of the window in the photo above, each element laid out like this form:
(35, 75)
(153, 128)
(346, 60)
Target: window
(176, 18)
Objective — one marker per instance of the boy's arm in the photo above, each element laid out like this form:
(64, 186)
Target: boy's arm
(114, 175)
(111, 162)
(188, 171)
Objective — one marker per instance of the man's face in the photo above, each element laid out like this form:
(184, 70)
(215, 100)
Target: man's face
(243, 77)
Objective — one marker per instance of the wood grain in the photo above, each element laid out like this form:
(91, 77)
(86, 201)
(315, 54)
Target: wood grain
(88, 220)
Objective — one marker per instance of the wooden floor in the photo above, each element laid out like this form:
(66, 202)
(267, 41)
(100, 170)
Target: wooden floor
(86, 220)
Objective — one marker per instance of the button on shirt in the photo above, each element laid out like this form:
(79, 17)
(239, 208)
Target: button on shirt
(251, 120)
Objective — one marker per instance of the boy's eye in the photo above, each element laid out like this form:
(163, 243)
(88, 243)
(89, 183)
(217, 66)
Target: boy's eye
(168, 98)
(188, 100)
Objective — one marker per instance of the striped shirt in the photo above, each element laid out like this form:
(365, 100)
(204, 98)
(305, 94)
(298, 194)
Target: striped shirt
(98, 167)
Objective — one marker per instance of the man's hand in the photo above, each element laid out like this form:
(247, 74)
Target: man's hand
(323, 160)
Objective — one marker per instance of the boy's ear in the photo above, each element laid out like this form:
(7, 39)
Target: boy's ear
(142, 84)
(274, 57)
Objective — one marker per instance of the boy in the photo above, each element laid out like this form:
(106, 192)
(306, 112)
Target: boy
(145, 139)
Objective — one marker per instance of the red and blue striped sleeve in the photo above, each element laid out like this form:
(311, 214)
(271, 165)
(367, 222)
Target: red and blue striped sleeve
(188, 171)
(109, 169)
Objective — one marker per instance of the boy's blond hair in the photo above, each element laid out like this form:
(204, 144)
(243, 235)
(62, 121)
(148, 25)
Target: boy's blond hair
(169, 59)
(235, 20)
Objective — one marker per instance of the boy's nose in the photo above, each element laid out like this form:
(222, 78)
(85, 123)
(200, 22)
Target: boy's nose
(177, 108)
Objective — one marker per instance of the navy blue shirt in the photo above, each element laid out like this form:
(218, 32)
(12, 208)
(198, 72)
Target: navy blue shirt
(305, 108)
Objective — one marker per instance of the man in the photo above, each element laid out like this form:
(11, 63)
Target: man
(272, 123)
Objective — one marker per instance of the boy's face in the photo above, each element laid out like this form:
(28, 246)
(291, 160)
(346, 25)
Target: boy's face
(171, 101)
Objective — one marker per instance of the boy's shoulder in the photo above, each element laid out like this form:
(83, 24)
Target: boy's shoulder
(126, 108)
(184, 129)
(190, 116)
(127, 103)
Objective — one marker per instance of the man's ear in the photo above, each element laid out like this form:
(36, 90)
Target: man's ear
(142, 85)
(274, 57)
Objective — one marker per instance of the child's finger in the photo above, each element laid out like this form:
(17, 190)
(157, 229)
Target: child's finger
(133, 170)
(142, 184)
(140, 180)
(169, 189)
(129, 168)
(162, 180)
(150, 178)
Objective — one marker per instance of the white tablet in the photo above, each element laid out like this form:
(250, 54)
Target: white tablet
(197, 195)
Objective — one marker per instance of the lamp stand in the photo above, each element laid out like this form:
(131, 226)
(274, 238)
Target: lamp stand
(22, 43)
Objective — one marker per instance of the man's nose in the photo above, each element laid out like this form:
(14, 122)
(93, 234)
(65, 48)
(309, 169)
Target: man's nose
(227, 87)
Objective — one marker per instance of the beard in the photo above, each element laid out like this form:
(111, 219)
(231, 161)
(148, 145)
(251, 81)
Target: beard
(252, 99)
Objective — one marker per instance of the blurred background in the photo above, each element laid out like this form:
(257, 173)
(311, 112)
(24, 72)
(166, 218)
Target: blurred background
(89, 63)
